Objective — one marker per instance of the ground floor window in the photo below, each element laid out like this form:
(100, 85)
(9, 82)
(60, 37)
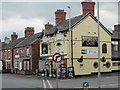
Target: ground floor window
(20, 66)
(26, 65)
(17, 64)
(8, 66)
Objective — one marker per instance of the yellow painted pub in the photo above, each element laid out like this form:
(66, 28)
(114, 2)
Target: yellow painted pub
(78, 46)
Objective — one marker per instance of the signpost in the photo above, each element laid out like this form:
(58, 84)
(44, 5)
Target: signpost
(85, 85)
(57, 57)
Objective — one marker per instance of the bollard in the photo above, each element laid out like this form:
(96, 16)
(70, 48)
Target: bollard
(85, 86)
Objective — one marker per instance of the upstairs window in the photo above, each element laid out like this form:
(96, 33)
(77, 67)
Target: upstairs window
(27, 52)
(44, 48)
(104, 48)
(115, 46)
(16, 52)
(8, 54)
(21, 52)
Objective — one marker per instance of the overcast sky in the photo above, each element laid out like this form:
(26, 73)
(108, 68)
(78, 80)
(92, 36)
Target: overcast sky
(18, 15)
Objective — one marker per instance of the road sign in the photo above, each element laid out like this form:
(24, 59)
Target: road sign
(57, 57)
(85, 84)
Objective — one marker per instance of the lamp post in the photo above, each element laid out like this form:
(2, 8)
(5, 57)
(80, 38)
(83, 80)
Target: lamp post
(99, 74)
(70, 36)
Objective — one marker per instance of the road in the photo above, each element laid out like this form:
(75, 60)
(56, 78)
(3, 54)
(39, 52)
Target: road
(108, 80)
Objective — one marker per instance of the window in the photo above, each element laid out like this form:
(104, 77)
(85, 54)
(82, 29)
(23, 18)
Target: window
(59, 47)
(0, 55)
(7, 65)
(20, 67)
(26, 65)
(21, 52)
(8, 54)
(115, 46)
(16, 52)
(17, 64)
(104, 48)
(27, 52)
(5, 54)
(44, 48)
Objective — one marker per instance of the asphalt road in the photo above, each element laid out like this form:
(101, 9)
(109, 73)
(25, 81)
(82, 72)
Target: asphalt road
(109, 80)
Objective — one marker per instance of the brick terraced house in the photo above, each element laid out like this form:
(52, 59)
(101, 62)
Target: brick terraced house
(20, 55)
(26, 53)
(116, 47)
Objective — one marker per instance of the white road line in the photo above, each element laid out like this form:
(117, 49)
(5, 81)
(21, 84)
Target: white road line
(49, 84)
(44, 85)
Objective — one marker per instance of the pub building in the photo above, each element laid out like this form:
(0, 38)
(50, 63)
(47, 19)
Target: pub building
(84, 44)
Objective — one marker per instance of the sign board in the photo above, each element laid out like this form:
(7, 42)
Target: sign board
(89, 41)
(63, 72)
(89, 52)
(57, 57)
(17, 56)
(70, 72)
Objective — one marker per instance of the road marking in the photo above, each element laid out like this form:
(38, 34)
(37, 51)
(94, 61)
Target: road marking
(44, 85)
(49, 84)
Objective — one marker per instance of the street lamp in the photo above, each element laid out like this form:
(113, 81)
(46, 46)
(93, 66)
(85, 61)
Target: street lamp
(70, 37)
(99, 74)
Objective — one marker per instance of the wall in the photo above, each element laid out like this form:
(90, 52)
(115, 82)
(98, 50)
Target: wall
(88, 27)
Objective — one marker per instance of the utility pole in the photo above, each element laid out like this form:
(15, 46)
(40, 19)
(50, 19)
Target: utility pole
(99, 73)
(70, 36)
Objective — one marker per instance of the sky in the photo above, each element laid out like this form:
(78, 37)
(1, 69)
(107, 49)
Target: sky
(16, 15)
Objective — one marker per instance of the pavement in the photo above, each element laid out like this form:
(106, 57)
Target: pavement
(108, 80)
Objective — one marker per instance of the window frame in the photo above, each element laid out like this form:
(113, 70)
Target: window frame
(104, 48)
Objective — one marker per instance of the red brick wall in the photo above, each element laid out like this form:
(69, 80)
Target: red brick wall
(117, 27)
(35, 55)
(28, 33)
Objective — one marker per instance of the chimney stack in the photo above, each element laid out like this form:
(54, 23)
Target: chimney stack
(29, 31)
(117, 27)
(14, 36)
(60, 15)
(7, 40)
(48, 26)
(88, 6)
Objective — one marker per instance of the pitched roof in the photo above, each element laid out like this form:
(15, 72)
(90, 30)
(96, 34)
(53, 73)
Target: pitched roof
(64, 25)
(115, 35)
(13, 43)
(29, 40)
